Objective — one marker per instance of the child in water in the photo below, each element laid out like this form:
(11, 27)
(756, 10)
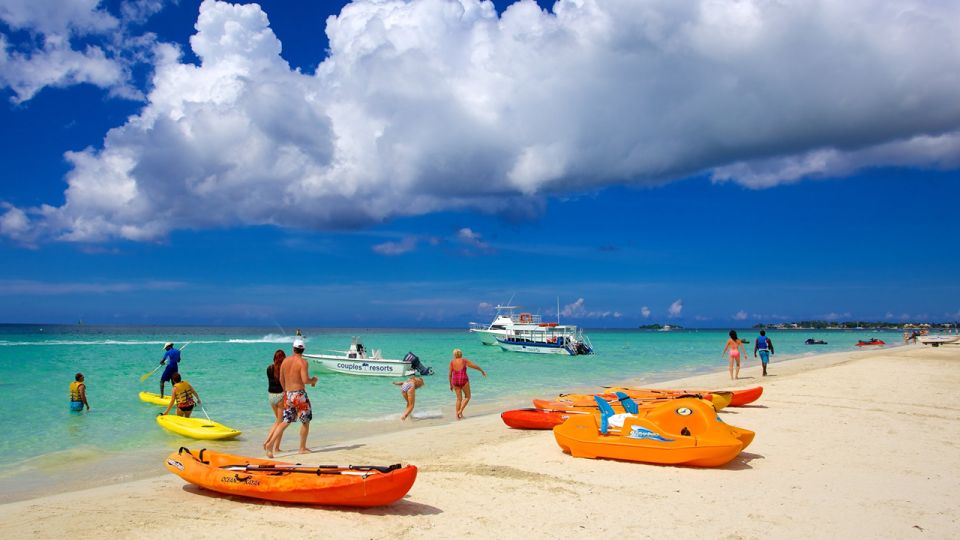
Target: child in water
(409, 390)
(183, 395)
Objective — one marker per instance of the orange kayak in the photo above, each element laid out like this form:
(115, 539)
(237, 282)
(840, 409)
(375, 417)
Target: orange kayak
(535, 418)
(737, 398)
(353, 485)
(684, 431)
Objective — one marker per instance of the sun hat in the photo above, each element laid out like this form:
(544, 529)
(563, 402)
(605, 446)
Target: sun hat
(168, 344)
(298, 343)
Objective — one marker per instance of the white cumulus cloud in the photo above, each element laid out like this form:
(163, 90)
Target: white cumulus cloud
(406, 245)
(645, 312)
(740, 315)
(675, 308)
(431, 105)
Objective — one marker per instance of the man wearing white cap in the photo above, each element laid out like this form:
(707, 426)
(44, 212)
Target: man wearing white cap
(294, 375)
(173, 367)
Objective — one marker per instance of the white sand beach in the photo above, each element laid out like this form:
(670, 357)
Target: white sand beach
(859, 444)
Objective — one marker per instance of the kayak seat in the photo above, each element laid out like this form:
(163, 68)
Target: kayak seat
(628, 403)
(606, 411)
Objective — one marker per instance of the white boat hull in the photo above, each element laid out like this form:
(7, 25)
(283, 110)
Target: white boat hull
(533, 348)
(362, 366)
(937, 340)
(489, 337)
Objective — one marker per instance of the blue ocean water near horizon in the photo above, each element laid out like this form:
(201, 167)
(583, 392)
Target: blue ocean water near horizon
(43, 439)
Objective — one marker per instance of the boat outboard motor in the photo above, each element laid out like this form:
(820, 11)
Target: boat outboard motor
(416, 365)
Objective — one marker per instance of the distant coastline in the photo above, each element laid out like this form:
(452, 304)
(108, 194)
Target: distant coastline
(856, 325)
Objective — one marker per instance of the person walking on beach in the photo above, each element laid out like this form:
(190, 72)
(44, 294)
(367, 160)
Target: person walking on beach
(734, 345)
(765, 347)
(78, 394)
(409, 390)
(173, 355)
(275, 394)
(294, 375)
(459, 381)
(184, 396)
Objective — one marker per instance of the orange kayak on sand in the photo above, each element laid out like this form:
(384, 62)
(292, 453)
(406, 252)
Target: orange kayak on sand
(737, 397)
(684, 431)
(536, 418)
(353, 485)
(643, 397)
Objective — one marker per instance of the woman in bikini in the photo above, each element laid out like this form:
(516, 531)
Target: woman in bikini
(459, 381)
(409, 390)
(734, 345)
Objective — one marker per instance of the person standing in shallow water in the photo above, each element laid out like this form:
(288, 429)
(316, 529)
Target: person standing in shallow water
(734, 345)
(78, 393)
(765, 347)
(459, 381)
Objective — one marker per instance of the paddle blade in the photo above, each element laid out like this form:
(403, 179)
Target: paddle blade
(147, 375)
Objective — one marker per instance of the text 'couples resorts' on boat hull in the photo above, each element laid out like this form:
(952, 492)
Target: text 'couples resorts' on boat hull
(357, 361)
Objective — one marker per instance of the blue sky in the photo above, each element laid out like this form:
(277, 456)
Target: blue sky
(412, 163)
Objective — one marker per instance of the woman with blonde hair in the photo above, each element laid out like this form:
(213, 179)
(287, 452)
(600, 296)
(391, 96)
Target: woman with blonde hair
(459, 381)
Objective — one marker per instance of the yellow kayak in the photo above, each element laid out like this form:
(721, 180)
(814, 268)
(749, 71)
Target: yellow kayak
(196, 428)
(152, 397)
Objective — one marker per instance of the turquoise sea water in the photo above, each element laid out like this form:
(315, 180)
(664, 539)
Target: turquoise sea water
(42, 438)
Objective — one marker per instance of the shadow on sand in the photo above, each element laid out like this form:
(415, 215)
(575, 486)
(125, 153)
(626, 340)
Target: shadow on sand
(403, 507)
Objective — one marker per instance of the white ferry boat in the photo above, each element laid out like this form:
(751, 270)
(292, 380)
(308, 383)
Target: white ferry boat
(506, 323)
(358, 361)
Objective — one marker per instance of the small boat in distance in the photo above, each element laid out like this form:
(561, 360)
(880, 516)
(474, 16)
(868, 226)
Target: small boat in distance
(358, 361)
(811, 341)
(871, 342)
(936, 341)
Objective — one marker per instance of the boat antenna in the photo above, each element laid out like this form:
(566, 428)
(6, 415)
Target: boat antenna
(558, 311)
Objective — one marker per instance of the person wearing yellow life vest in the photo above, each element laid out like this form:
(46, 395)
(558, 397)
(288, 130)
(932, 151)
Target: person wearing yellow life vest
(183, 395)
(78, 394)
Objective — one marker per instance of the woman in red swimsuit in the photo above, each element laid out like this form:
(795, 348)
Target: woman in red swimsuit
(459, 381)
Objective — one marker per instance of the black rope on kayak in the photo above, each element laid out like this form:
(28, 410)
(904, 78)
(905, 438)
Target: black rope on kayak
(313, 469)
(202, 450)
(187, 450)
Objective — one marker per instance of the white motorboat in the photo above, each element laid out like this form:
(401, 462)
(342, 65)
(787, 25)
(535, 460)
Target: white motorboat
(504, 324)
(547, 339)
(936, 341)
(358, 361)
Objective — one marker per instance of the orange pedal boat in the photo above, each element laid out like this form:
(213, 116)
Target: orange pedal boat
(353, 485)
(683, 431)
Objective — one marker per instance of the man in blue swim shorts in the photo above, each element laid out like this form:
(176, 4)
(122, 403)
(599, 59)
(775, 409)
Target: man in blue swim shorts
(173, 355)
(763, 346)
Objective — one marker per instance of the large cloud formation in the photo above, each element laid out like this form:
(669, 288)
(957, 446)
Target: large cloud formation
(430, 105)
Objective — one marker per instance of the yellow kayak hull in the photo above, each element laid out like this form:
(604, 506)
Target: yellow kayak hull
(196, 428)
(154, 398)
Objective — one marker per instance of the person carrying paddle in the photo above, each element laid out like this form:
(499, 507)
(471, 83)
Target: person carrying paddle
(765, 347)
(184, 396)
(294, 376)
(173, 367)
(459, 381)
(78, 394)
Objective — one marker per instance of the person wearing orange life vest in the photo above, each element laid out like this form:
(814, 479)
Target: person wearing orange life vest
(78, 394)
(183, 395)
